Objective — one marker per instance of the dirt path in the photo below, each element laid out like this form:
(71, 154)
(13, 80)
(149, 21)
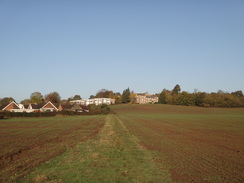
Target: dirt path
(113, 156)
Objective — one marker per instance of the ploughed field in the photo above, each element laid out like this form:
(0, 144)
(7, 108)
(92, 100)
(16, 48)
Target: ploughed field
(194, 144)
(140, 143)
(26, 143)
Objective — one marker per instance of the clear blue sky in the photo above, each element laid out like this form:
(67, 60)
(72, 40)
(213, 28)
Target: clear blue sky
(80, 47)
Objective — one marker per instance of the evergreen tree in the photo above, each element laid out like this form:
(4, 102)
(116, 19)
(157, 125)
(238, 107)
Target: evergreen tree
(126, 96)
(176, 89)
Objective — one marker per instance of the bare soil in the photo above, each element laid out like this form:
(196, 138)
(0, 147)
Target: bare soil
(23, 150)
(197, 144)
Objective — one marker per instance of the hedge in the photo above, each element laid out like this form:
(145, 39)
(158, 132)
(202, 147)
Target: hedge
(98, 111)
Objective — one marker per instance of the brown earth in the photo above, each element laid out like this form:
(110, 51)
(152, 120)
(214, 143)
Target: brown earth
(208, 149)
(23, 150)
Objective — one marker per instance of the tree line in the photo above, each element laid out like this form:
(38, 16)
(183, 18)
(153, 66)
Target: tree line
(178, 97)
(37, 97)
(203, 99)
(174, 97)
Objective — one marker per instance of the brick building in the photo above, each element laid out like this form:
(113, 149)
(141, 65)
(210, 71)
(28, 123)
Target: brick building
(146, 98)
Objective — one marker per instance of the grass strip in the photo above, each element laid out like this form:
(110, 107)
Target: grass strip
(113, 156)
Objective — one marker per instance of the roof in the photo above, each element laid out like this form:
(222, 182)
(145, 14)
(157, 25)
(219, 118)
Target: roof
(51, 104)
(3, 106)
(66, 106)
(143, 94)
(71, 106)
(41, 105)
(56, 105)
(16, 106)
(140, 93)
(84, 107)
(153, 96)
(33, 106)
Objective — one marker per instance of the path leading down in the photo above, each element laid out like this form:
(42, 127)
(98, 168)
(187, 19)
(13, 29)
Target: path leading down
(113, 156)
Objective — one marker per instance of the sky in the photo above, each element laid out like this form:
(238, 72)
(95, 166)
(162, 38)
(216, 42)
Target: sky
(79, 47)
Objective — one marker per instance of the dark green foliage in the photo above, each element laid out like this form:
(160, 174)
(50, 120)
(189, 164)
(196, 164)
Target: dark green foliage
(76, 97)
(6, 100)
(99, 109)
(186, 99)
(238, 93)
(104, 93)
(162, 98)
(53, 97)
(25, 101)
(2, 115)
(91, 97)
(36, 98)
(126, 96)
(118, 98)
(74, 113)
(176, 90)
(199, 98)
(7, 114)
(68, 113)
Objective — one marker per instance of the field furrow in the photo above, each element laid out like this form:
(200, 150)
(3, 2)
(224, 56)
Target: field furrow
(113, 156)
(21, 153)
(139, 143)
(200, 146)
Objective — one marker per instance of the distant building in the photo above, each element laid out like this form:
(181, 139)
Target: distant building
(80, 102)
(146, 98)
(41, 107)
(73, 107)
(96, 101)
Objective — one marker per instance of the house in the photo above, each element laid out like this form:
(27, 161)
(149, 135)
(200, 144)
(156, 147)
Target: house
(12, 107)
(96, 101)
(80, 102)
(50, 107)
(75, 105)
(42, 107)
(70, 107)
(146, 98)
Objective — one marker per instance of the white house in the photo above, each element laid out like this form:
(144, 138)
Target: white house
(96, 101)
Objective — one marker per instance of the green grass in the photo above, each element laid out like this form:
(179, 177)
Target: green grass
(113, 156)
